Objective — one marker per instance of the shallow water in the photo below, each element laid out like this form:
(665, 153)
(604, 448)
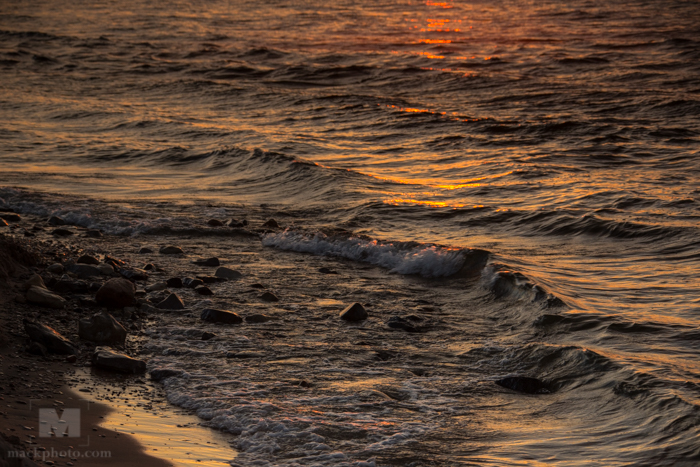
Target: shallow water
(563, 139)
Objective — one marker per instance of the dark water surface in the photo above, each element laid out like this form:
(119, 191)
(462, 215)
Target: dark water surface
(562, 137)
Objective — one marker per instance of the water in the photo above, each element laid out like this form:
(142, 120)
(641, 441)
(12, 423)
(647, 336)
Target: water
(562, 138)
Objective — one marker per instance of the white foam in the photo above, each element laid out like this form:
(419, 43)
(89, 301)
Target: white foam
(426, 260)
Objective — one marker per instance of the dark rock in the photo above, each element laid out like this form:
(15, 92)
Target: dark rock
(327, 271)
(269, 297)
(48, 337)
(55, 268)
(397, 322)
(43, 297)
(160, 374)
(35, 348)
(149, 267)
(257, 286)
(3, 223)
(215, 223)
(156, 287)
(211, 279)
(525, 384)
(69, 286)
(62, 232)
(134, 274)
(102, 328)
(171, 250)
(257, 318)
(213, 262)
(192, 283)
(145, 250)
(235, 223)
(271, 224)
(173, 302)
(92, 233)
(175, 282)
(10, 217)
(56, 221)
(87, 259)
(220, 316)
(84, 271)
(354, 312)
(116, 263)
(227, 273)
(116, 293)
(208, 335)
(204, 290)
(110, 360)
(71, 359)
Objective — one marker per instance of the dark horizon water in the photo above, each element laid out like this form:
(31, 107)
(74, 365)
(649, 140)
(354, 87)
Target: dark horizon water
(562, 137)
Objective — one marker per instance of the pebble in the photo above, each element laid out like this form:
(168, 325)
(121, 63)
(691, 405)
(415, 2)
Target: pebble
(215, 223)
(174, 282)
(171, 250)
(271, 224)
(354, 312)
(157, 286)
(56, 268)
(62, 232)
(106, 269)
(145, 250)
(93, 233)
(43, 297)
(227, 273)
(11, 217)
(116, 293)
(257, 318)
(208, 335)
(204, 290)
(269, 297)
(327, 271)
(192, 283)
(173, 302)
(213, 262)
(220, 316)
(87, 259)
(56, 221)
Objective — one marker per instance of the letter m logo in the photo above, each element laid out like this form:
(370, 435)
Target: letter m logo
(50, 424)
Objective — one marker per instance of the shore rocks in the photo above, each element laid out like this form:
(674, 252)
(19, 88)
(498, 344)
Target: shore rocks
(83, 271)
(93, 233)
(397, 322)
(204, 290)
(87, 259)
(192, 283)
(171, 250)
(116, 293)
(236, 224)
(228, 273)
(41, 296)
(145, 250)
(10, 217)
(257, 318)
(208, 335)
(175, 282)
(134, 274)
(35, 280)
(354, 312)
(525, 384)
(269, 297)
(62, 232)
(110, 360)
(220, 316)
(215, 223)
(156, 287)
(106, 269)
(48, 337)
(173, 302)
(56, 221)
(271, 224)
(56, 268)
(212, 262)
(160, 374)
(102, 328)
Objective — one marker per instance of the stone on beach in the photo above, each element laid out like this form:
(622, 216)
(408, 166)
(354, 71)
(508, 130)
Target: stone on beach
(208, 335)
(271, 224)
(62, 232)
(203, 290)
(11, 217)
(87, 259)
(257, 318)
(35, 280)
(269, 297)
(145, 250)
(192, 283)
(235, 223)
(157, 286)
(397, 322)
(175, 282)
(220, 316)
(102, 328)
(48, 337)
(56, 268)
(171, 250)
(213, 262)
(108, 359)
(116, 293)
(56, 221)
(159, 374)
(227, 273)
(173, 302)
(134, 274)
(354, 312)
(84, 271)
(94, 233)
(41, 296)
(215, 223)
(106, 269)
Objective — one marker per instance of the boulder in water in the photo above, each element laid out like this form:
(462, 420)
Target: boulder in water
(116, 293)
(525, 384)
(171, 250)
(108, 359)
(173, 302)
(220, 316)
(354, 312)
(227, 273)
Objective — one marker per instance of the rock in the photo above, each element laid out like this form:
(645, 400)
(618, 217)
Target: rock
(227, 273)
(56, 268)
(204, 290)
(213, 262)
(215, 223)
(62, 232)
(236, 224)
(257, 318)
(84, 271)
(525, 384)
(220, 316)
(173, 302)
(171, 250)
(354, 312)
(3, 223)
(35, 348)
(116, 293)
(327, 271)
(145, 250)
(156, 287)
(257, 286)
(102, 328)
(87, 259)
(208, 335)
(149, 267)
(93, 233)
(175, 282)
(191, 283)
(70, 286)
(10, 217)
(211, 279)
(110, 360)
(397, 322)
(56, 221)
(41, 296)
(271, 224)
(269, 297)
(35, 280)
(71, 359)
(160, 374)
(106, 269)
(134, 274)
(48, 337)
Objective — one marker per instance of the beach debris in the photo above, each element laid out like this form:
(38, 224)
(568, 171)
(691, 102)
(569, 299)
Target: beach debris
(87, 259)
(116, 293)
(257, 318)
(173, 302)
(41, 296)
(227, 273)
(3, 223)
(56, 268)
(215, 223)
(203, 290)
(525, 384)
(269, 297)
(171, 250)
(102, 328)
(213, 262)
(354, 312)
(48, 337)
(144, 250)
(108, 359)
(220, 316)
